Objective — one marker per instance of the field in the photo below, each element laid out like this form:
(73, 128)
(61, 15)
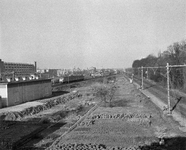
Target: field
(84, 119)
(131, 122)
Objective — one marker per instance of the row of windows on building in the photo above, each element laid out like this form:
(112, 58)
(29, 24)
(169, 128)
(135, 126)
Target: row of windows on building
(13, 66)
(19, 69)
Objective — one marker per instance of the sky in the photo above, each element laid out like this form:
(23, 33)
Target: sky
(88, 33)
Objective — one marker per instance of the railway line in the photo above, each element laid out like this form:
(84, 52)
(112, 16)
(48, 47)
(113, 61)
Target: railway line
(60, 86)
(178, 100)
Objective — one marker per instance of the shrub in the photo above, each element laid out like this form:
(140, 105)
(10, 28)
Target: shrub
(104, 91)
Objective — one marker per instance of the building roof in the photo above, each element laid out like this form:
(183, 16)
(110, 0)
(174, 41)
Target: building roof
(25, 81)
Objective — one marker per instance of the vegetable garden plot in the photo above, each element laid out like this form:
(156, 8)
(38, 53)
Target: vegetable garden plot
(126, 128)
(107, 131)
(93, 146)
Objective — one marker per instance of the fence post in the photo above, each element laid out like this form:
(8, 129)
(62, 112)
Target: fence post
(142, 77)
(168, 89)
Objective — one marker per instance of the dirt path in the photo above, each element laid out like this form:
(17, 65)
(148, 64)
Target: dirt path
(133, 122)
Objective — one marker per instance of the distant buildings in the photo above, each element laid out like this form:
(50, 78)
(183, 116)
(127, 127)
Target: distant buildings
(50, 73)
(12, 70)
(19, 83)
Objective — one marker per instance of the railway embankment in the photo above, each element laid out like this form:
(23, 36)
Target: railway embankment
(158, 95)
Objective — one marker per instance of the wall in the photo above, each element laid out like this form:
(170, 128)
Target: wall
(3, 95)
(2, 69)
(21, 92)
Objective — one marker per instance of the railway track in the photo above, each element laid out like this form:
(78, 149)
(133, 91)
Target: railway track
(178, 100)
(60, 86)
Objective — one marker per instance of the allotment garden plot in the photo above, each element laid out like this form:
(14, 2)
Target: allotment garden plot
(131, 121)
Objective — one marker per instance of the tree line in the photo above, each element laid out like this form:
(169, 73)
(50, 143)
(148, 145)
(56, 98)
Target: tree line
(174, 55)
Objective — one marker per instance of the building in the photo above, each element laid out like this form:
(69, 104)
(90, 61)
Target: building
(14, 93)
(51, 73)
(12, 70)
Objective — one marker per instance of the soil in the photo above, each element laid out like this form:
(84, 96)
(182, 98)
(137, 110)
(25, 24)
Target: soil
(52, 114)
(132, 122)
(63, 116)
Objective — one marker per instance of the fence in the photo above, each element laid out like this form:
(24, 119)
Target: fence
(170, 78)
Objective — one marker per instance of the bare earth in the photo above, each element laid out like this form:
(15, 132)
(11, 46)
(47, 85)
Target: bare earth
(79, 121)
(132, 122)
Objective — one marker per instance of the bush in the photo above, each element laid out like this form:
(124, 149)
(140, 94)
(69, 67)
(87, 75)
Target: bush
(104, 91)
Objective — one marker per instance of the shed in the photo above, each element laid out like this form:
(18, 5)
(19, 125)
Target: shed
(14, 93)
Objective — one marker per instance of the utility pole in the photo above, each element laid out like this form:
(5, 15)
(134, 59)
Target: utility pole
(142, 77)
(139, 72)
(147, 74)
(68, 78)
(0, 74)
(168, 89)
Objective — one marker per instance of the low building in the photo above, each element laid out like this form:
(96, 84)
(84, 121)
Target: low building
(14, 93)
(49, 73)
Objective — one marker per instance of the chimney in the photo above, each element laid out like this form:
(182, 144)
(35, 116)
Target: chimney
(35, 66)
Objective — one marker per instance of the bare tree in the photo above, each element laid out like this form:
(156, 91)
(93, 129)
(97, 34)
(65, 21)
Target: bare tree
(104, 91)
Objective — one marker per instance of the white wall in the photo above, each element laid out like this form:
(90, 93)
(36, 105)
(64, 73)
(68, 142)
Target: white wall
(4, 95)
(20, 93)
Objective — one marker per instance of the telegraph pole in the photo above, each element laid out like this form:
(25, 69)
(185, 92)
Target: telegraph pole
(168, 89)
(147, 74)
(138, 72)
(142, 77)
(0, 74)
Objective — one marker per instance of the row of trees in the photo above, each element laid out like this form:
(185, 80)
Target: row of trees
(174, 55)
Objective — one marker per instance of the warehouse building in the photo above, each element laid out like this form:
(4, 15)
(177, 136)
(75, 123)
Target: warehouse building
(14, 93)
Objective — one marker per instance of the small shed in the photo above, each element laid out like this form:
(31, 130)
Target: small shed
(14, 93)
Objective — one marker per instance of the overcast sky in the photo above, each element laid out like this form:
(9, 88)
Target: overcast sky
(86, 33)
